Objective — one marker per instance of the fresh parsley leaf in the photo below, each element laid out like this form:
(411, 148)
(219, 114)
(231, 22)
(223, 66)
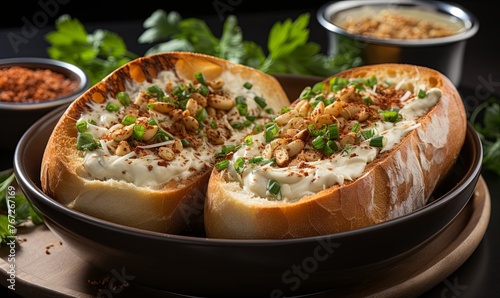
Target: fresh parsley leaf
(98, 54)
(285, 37)
(160, 26)
(488, 130)
(231, 45)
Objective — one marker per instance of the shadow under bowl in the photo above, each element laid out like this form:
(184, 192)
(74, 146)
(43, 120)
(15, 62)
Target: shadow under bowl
(22, 115)
(199, 266)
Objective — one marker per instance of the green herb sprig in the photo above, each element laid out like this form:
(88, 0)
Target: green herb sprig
(98, 54)
(488, 129)
(11, 219)
(289, 49)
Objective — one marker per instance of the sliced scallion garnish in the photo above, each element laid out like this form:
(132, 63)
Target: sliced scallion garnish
(86, 141)
(156, 92)
(248, 140)
(200, 78)
(81, 126)
(248, 85)
(421, 93)
(112, 107)
(123, 98)
(271, 131)
(128, 119)
(138, 131)
(377, 141)
(239, 165)
(222, 165)
(261, 102)
(333, 131)
(274, 188)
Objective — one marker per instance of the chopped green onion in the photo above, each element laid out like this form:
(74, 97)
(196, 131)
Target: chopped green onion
(156, 92)
(421, 93)
(222, 165)
(237, 125)
(123, 98)
(284, 110)
(355, 127)
(138, 131)
(316, 132)
(368, 100)
(330, 148)
(271, 131)
(240, 99)
(184, 142)
(162, 136)
(86, 141)
(201, 115)
(337, 83)
(391, 116)
(368, 133)
(274, 188)
(203, 90)
(128, 119)
(248, 85)
(112, 107)
(260, 101)
(318, 87)
(257, 159)
(248, 140)
(306, 93)
(239, 165)
(333, 131)
(257, 128)
(200, 78)
(242, 108)
(377, 141)
(213, 124)
(151, 121)
(370, 82)
(318, 143)
(81, 126)
(251, 117)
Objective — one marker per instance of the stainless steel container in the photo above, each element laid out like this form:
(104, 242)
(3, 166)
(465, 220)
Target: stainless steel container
(444, 54)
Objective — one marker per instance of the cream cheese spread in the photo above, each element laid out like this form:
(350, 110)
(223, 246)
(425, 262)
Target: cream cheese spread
(141, 163)
(301, 176)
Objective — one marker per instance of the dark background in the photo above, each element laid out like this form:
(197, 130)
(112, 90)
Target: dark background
(481, 55)
(481, 64)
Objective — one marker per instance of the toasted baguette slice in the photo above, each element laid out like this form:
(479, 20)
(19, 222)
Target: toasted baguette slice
(303, 180)
(148, 134)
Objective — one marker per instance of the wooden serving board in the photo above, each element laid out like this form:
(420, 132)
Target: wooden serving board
(45, 267)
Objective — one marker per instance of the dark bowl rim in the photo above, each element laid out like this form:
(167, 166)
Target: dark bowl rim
(24, 181)
(62, 66)
(451, 9)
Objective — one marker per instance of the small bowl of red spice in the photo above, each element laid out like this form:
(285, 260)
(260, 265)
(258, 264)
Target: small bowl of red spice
(30, 87)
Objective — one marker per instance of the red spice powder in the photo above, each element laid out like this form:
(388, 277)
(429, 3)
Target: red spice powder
(20, 84)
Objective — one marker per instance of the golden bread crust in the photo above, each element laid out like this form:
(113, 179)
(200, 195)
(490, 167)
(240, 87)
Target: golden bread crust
(168, 209)
(396, 183)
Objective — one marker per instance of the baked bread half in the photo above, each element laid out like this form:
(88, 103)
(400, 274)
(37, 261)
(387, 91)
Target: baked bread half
(362, 147)
(138, 147)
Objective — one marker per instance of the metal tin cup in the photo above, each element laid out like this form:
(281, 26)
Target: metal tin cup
(444, 54)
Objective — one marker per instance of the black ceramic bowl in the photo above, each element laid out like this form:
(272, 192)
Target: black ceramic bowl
(194, 265)
(20, 116)
(441, 53)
